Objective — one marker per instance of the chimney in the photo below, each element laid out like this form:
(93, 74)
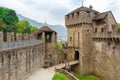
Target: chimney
(91, 7)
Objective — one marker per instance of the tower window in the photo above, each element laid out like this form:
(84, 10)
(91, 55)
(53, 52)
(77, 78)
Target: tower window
(88, 30)
(95, 29)
(77, 14)
(95, 13)
(72, 15)
(113, 26)
(70, 38)
(88, 12)
(102, 29)
(67, 16)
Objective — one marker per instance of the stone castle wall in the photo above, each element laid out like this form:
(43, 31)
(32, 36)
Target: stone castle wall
(106, 60)
(19, 63)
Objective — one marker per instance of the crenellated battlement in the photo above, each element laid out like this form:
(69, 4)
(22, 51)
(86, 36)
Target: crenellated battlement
(80, 16)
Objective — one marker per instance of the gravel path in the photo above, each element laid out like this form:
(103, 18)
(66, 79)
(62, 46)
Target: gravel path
(43, 74)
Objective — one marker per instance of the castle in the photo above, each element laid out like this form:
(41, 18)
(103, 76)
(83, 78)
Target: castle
(94, 40)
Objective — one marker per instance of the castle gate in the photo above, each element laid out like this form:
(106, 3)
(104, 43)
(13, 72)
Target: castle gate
(76, 55)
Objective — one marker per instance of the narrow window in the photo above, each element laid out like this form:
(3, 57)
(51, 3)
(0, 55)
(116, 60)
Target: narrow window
(87, 30)
(78, 39)
(67, 16)
(95, 29)
(102, 29)
(70, 38)
(88, 12)
(77, 14)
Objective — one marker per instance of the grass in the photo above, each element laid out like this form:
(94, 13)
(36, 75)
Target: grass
(89, 77)
(59, 76)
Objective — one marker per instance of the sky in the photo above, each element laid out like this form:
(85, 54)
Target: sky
(53, 11)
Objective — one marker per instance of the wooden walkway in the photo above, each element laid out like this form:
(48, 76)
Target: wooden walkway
(63, 65)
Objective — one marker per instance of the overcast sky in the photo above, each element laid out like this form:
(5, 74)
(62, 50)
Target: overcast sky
(54, 10)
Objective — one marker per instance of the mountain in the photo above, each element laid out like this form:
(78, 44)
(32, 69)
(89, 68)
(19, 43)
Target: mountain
(61, 30)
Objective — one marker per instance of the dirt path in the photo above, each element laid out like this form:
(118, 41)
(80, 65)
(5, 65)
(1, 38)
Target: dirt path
(43, 74)
(47, 74)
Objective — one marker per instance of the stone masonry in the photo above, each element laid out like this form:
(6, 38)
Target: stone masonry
(19, 37)
(1, 37)
(49, 37)
(94, 40)
(10, 36)
(19, 63)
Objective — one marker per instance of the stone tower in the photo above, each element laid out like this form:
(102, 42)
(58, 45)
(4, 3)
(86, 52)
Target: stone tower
(80, 45)
(94, 40)
(49, 37)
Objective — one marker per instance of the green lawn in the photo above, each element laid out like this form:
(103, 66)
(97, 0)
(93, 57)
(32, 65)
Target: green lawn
(89, 77)
(59, 76)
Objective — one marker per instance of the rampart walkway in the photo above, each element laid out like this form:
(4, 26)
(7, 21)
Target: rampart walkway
(11, 45)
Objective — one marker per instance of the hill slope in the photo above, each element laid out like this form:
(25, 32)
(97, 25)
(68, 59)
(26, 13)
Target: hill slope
(61, 30)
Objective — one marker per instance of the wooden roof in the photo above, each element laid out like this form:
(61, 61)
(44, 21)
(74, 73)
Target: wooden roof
(45, 29)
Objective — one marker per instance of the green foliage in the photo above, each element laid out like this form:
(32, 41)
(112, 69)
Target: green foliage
(7, 19)
(25, 27)
(59, 76)
(118, 26)
(89, 77)
(2, 25)
(9, 16)
(33, 29)
(59, 46)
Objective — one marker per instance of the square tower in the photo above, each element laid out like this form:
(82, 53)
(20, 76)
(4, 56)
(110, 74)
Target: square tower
(49, 38)
(80, 46)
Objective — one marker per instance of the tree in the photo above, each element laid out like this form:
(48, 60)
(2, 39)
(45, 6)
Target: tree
(9, 16)
(21, 26)
(8, 19)
(2, 25)
(118, 26)
(59, 46)
(33, 29)
(25, 27)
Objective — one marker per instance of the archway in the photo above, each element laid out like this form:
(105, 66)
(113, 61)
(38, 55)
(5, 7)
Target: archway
(76, 56)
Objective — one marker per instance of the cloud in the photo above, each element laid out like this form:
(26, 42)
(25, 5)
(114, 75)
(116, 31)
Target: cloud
(54, 10)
